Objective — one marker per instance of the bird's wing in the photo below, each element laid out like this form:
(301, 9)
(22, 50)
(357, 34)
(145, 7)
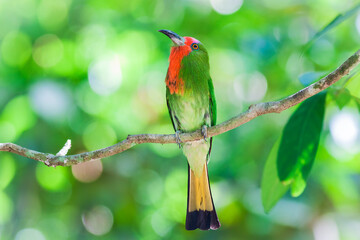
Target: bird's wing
(212, 109)
(171, 113)
(212, 103)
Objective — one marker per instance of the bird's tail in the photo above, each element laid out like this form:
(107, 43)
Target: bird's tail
(200, 207)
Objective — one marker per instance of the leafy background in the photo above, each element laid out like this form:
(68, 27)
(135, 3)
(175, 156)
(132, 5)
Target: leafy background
(93, 71)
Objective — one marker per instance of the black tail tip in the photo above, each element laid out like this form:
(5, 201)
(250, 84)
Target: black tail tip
(204, 220)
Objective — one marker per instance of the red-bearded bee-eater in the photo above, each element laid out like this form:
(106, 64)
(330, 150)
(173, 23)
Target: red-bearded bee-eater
(191, 102)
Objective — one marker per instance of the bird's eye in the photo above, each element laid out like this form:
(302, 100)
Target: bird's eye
(194, 46)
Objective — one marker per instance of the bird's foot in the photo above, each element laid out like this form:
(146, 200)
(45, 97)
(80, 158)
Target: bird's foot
(177, 137)
(204, 132)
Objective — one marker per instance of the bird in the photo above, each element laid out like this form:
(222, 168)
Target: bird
(191, 103)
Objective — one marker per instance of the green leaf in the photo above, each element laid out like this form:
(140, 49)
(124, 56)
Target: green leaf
(357, 101)
(335, 22)
(271, 187)
(341, 97)
(300, 141)
(298, 185)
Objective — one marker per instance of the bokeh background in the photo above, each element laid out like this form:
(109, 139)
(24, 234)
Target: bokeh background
(93, 72)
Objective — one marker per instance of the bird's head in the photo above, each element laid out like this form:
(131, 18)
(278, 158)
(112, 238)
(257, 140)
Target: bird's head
(187, 48)
(185, 45)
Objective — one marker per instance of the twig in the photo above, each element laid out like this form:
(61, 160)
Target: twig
(254, 111)
(65, 148)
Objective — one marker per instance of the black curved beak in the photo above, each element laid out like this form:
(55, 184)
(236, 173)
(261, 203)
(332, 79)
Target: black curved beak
(175, 38)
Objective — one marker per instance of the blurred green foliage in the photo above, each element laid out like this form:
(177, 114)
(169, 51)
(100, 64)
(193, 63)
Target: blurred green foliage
(94, 72)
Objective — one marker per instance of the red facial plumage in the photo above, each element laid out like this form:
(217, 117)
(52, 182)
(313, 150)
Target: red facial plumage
(173, 81)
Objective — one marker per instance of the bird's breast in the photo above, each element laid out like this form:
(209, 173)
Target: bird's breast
(191, 112)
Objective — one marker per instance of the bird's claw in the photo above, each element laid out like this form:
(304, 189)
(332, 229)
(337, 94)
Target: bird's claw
(204, 132)
(177, 137)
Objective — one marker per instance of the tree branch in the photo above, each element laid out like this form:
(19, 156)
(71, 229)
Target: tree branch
(254, 111)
